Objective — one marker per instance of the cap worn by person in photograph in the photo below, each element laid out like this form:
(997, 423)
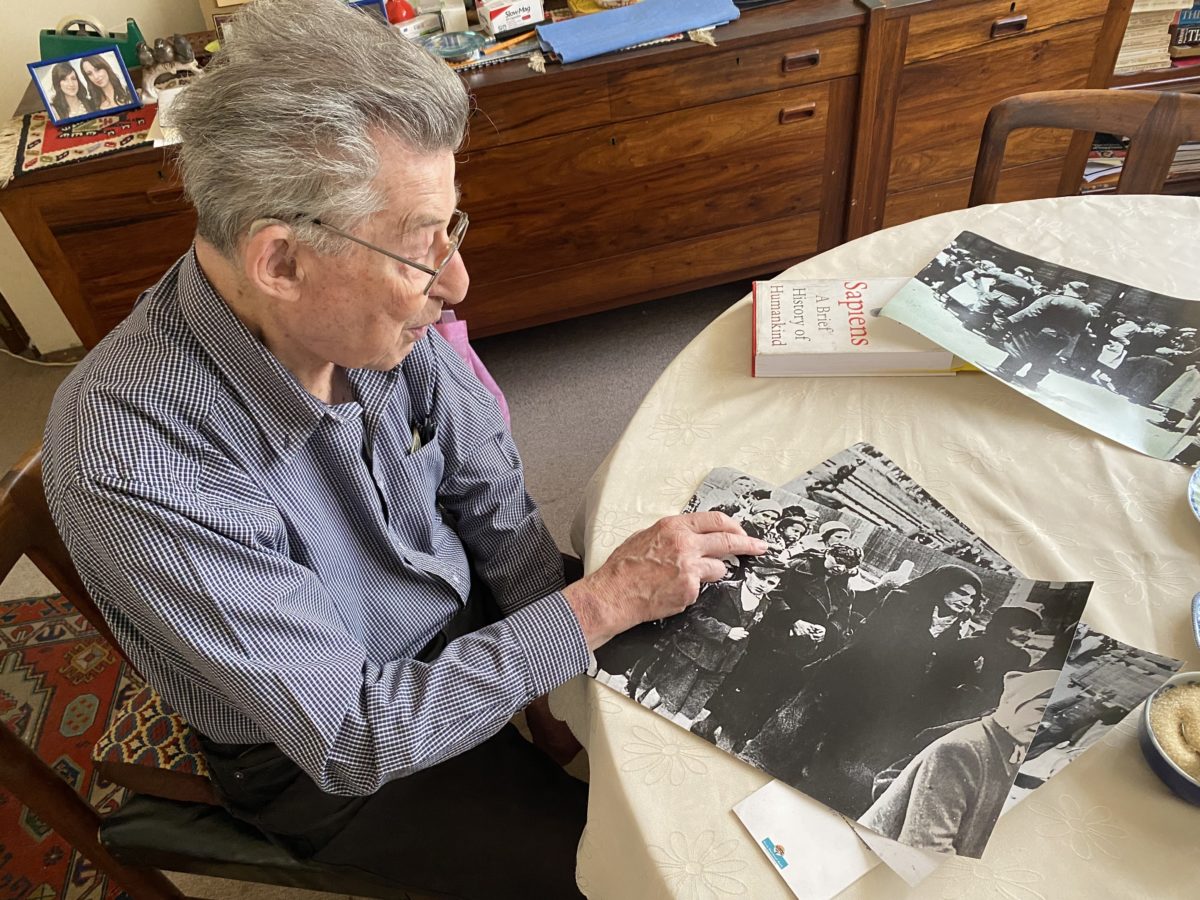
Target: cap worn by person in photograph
(1080, 288)
(833, 527)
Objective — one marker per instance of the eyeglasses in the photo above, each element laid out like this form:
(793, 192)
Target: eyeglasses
(456, 231)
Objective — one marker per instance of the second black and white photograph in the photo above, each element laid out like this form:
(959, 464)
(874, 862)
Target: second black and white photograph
(844, 658)
(1119, 359)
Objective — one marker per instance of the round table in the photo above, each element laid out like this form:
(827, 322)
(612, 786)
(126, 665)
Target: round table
(1059, 501)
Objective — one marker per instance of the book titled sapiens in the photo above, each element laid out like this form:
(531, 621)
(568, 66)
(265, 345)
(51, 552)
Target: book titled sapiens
(832, 327)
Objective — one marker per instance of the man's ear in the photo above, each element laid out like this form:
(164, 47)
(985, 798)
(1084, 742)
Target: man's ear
(270, 260)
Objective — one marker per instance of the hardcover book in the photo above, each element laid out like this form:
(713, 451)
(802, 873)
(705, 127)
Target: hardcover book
(832, 327)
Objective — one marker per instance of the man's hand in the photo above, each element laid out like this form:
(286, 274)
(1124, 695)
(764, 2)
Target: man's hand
(803, 628)
(657, 573)
(737, 633)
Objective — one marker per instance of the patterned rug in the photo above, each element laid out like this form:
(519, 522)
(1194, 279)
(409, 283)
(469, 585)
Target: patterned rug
(60, 684)
(32, 143)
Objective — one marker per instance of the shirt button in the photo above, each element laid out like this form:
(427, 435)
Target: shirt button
(239, 776)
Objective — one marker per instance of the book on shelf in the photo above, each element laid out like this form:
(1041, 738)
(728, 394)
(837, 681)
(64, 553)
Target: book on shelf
(832, 327)
(1185, 41)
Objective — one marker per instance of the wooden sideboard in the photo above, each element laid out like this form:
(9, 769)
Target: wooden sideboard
(648, 173)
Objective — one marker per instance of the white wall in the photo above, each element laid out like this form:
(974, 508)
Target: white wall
(19, 27)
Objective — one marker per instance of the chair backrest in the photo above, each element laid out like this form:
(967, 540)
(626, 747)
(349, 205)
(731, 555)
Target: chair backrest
(26, 529)
(1156, 122)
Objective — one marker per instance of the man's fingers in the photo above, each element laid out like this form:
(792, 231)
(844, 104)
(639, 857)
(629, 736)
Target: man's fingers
(710, 521)
(710, 569)
(723, 543)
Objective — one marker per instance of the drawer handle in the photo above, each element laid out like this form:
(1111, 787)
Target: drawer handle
(793, 62)
(169, 194)
(797, 113)
(1011, 25)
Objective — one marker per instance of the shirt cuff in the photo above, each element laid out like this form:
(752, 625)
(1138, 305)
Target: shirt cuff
(552, 641)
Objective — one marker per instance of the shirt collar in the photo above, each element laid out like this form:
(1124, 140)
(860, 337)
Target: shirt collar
(285, 412)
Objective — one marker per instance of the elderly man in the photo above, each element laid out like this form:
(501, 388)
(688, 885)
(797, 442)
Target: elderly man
(289, 498)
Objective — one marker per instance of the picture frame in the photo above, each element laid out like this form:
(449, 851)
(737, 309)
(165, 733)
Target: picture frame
(85, 85)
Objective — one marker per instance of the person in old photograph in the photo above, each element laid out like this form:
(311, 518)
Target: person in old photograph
(106, 85)
(708, 642)
(967, 676)
(829, 533)
(1112, 332)
(861, 703)
(1037, 333)
(791, 531)
(807, 619)
(967, 299)
(950, 794)
(1160, 366)
(68, 96)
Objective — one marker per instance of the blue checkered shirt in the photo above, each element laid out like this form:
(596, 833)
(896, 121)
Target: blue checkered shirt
(272, 564)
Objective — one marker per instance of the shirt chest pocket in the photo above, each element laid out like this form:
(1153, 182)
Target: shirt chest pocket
(413, 479)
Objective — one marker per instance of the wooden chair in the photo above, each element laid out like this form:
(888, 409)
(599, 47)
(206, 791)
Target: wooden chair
(26, 529)
(179, 829)
(1156, 122)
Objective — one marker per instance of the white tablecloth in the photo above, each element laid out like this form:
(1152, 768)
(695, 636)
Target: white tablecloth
(1056, 499)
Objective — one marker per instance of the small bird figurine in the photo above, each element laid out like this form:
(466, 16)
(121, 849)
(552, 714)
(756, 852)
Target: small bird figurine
(184, 53)
(145, 57)
(163, 52)
(169, 57)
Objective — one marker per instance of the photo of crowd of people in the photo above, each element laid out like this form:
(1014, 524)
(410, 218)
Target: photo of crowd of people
(1116, 358)
(847, 657)
(863, 481)
(82, 87)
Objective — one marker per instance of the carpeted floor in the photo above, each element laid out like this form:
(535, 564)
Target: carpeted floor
(571, 388)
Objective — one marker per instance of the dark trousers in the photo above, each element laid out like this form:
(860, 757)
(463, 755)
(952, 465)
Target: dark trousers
(499, 821)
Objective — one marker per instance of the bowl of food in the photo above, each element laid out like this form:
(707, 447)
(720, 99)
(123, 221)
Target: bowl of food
(1170, 734)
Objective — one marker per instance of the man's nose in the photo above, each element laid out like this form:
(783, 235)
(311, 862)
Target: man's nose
(452, 284)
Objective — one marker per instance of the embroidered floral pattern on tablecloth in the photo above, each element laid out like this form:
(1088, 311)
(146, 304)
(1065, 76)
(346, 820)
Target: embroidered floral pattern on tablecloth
(1089, 830)
(1140, 578)
(683, 429)
(701, 869)
(977, 879)
(979, 458)
(610, 527)
(660, 757)
(1129, 498)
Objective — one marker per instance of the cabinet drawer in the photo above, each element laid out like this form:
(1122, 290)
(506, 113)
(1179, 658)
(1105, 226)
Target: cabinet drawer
(548, 296)
(717, 74)
(988, 22)
(647, 183)
(101, 239)
(1028, 182)
(519, 114)
(944, 102)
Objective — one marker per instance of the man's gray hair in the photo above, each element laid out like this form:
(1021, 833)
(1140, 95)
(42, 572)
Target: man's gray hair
(281, 124)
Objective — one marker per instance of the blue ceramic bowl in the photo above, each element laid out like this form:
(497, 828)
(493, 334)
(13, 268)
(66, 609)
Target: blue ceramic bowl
(1172, 776)
(1196, 618)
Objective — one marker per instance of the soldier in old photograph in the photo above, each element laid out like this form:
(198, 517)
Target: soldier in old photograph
(1036, 334)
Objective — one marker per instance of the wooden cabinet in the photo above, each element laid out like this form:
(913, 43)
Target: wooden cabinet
(937, 68)
(644, 174)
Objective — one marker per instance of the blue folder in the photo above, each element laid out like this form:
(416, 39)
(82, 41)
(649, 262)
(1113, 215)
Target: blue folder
(587, 36)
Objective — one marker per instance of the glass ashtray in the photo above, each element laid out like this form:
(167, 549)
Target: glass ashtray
(454, 46)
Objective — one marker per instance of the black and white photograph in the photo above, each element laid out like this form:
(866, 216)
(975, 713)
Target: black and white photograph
(864, 481)
(91, 84)
(1102, 682)
(1121, 360)
(838, 659)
